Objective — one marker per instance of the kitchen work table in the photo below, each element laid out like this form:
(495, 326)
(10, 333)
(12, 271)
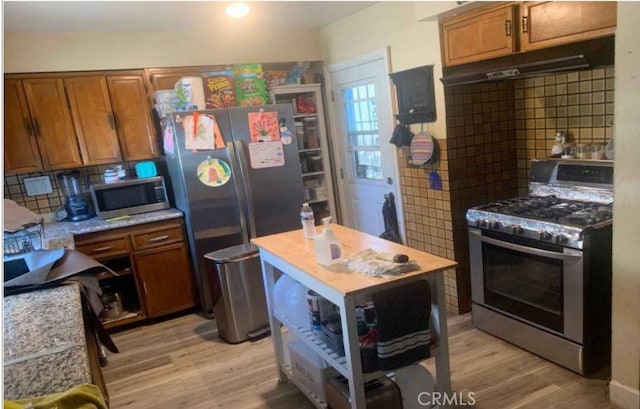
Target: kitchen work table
(294, 256)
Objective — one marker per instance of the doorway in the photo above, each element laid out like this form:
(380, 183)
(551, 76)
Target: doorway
(362, 124)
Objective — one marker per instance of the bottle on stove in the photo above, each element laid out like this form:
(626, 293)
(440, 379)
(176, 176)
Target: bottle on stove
(568, 151)
(557, 148)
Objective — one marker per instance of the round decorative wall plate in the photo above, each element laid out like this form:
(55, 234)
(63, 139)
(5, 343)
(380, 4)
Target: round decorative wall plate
(214, 172)
(421, 148)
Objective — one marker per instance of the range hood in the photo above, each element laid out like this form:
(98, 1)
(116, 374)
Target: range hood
(570, 57)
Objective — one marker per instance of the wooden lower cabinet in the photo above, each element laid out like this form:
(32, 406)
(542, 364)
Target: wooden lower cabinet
(160, 272)
(154, 271)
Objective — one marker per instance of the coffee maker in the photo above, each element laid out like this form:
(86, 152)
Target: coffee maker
(75, 205)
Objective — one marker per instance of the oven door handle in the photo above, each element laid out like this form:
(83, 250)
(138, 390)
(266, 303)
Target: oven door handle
(573, 254)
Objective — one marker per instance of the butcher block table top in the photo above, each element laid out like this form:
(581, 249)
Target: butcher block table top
(294, 249)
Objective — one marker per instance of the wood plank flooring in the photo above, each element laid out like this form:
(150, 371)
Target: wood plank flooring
(181, 363)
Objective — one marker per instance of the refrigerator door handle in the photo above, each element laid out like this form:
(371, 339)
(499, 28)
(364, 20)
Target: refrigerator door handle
(248, 196)
(235, 158)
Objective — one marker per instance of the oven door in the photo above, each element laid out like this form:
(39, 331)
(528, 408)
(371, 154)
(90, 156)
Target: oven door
(532, 281)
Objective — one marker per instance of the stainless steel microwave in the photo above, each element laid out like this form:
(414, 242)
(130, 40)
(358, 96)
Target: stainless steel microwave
(129, 196)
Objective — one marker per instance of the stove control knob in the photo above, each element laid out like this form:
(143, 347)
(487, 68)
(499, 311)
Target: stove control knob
(517, 230)
(545, 235)
(495, 225)
(481, 223)
(562, 239)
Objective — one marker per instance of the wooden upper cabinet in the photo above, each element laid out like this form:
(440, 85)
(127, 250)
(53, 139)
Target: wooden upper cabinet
(133, 117)
(551, 23)
(52, 122)
(166, 78)
(93, 119)
(21, 152)
(478, 36)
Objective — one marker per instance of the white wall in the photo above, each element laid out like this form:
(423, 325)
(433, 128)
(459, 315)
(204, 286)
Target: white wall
(41, 52)
(412, 43)
(625, 367)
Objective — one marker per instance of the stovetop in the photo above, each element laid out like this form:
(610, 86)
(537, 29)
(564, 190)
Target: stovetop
(569, 202)
(554, 210)
(568, 223)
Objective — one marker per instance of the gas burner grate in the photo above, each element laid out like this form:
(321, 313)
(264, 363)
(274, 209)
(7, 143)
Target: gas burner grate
(552, 209)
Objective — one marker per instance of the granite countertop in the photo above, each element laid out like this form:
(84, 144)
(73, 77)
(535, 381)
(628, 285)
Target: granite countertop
(60, 234)
(45, 349)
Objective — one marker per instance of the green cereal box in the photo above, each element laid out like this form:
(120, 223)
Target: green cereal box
(250, 90)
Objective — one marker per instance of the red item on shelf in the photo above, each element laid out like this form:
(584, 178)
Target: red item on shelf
(305, 105)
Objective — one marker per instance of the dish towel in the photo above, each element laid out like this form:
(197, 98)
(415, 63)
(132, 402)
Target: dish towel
(85, 396)
(404, 334)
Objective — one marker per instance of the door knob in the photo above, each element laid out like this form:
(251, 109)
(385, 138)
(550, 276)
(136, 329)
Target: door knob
(389, 181)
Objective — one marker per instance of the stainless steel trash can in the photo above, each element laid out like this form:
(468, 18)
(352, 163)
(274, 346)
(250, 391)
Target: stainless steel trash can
(240, 306)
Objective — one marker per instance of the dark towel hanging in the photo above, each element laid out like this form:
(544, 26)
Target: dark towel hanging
(402, 136)
(390, 217)
(404, 334)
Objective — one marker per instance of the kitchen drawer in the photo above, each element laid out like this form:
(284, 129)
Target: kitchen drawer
(158, 236)
(103, 248)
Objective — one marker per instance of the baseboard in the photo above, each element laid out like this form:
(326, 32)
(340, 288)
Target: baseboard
(624, 396)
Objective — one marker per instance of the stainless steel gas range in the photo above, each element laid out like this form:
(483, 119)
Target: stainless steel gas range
(541, 264)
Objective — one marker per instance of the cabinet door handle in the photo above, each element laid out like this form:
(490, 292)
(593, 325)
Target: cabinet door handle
(144, 287)
(159, 238)
(525, 26)
(29, 127)
(101, 249)
(507, 28)
(110, 119)
(115, 120)
(37, 126)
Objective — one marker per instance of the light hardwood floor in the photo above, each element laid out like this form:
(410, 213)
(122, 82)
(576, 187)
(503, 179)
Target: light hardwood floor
(181, 363)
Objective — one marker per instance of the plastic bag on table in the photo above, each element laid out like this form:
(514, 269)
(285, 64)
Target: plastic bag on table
(368, 262)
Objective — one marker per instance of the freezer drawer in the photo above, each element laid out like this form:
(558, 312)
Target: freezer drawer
(240, 306)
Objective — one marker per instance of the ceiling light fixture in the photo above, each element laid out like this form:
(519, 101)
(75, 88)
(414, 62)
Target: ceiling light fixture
(237, 10)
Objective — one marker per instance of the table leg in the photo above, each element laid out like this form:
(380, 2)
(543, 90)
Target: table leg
(439, 327)
(352, 353)
(276, 335)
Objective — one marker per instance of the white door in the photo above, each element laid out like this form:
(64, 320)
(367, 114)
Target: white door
(363, 126)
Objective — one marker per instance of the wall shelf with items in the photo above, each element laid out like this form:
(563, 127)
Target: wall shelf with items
(313, 145)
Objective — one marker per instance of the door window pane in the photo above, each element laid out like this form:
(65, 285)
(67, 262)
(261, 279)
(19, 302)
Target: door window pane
(363, 137)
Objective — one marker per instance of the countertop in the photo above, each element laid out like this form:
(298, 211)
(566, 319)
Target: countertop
(60, 234)
(292, 248)
(45, 349)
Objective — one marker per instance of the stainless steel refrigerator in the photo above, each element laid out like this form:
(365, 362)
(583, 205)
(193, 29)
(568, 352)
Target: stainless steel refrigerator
(254, 201)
